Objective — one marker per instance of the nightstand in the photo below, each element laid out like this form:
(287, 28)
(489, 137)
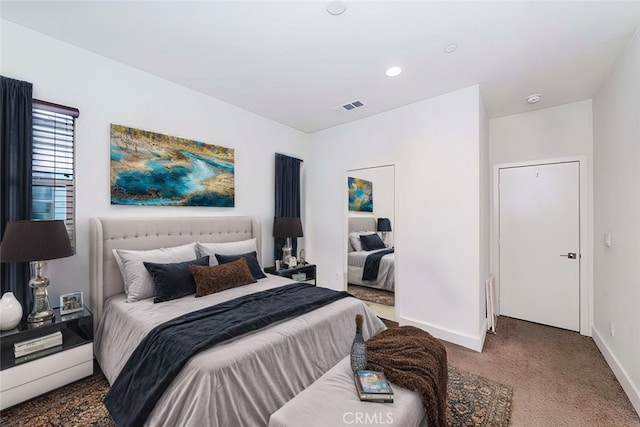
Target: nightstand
(309, 271)
(40, 372)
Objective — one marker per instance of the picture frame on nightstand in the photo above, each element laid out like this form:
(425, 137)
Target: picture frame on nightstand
(72, 302)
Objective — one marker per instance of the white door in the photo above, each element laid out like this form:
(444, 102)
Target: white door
(539, 243)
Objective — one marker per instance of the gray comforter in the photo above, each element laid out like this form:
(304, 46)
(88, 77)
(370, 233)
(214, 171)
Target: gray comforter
(242, 381)
(386, 271)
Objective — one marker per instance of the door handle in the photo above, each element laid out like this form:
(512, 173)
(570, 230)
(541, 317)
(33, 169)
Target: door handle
(570, 255)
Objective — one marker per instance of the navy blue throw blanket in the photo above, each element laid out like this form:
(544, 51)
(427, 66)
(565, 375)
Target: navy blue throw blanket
(167, 348)
(372, 264)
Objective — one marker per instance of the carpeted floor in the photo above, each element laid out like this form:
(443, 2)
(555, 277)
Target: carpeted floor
(473, 401)
(371, 294)
(558, 377)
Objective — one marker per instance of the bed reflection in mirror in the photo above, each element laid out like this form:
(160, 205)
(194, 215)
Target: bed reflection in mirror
(370, 258)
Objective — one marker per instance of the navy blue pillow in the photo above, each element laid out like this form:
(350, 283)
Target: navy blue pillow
(371, 242)
(252, 260)
(174, 280)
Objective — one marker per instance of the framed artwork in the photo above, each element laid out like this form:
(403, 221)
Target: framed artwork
(360, 195)
(154, 169)
(70, 303)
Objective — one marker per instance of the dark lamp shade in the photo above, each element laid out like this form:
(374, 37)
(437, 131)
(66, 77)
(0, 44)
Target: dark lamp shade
(34, 241)
(287, 226)
(384, 224)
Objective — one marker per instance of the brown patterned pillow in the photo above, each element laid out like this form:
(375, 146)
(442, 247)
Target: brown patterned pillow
(216, 278)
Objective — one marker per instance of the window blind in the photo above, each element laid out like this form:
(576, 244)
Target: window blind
(53, 165)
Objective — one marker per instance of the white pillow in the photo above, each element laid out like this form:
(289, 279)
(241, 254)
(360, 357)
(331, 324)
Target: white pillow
(227, 248)
(138, 282)
(354, 238)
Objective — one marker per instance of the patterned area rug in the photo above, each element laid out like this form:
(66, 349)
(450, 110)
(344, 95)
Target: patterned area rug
(371, 294)
(473, 401)
(477, 401)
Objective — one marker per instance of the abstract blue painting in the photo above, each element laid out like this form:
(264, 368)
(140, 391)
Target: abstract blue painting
(360, 195)
(149, 168)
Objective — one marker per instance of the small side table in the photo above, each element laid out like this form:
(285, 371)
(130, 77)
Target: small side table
(40, 372)
(309, 270)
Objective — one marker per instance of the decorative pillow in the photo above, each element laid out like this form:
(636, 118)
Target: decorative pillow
(228, 248)
(252, 261)
(174, 280)
(354, 239)
(216, 278)
(138, 283)
(371, 242)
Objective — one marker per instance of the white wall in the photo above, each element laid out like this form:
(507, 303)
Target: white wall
(555, 132)
(107, 92)
(434, 145)
(565, 131)
(485, 212)
(616, 116)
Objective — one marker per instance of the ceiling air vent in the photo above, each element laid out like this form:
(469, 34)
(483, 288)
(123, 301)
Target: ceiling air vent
(349, 106)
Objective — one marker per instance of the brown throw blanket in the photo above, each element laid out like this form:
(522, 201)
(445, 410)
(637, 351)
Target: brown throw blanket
(415, 360)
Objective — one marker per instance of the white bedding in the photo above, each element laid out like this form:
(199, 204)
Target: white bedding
(386, 272)
(242, 381)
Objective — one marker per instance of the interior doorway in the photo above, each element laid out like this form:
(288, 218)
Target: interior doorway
(539, 243)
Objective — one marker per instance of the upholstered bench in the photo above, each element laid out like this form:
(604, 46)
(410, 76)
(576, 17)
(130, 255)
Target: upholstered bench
(332, 401)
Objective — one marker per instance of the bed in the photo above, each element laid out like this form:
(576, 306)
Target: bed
(239, 382)
(356, 257)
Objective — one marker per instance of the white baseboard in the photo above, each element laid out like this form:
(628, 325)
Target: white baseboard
(473, 342)
(623, 378)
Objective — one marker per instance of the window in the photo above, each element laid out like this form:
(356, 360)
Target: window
(53, 165)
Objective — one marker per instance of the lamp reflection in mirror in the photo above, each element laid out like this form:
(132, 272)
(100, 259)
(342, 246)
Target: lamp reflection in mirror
(287, 227)
(36, 242)
(384, 225)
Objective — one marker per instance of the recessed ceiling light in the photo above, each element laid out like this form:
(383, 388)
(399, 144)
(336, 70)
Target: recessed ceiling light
(532, 99)
(393, 71)
(450, 48)
(336, 7)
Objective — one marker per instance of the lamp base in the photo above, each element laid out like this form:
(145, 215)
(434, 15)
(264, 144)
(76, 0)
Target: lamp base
(42, 311)
(286, 252)
(40, 317)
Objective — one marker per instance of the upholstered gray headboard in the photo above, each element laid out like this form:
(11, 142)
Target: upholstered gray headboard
(150, 233)
(362, 223)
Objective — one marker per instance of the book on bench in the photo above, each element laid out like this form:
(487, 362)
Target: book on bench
(373, 386)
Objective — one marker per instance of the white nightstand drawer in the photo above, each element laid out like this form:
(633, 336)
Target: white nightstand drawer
(31, 379)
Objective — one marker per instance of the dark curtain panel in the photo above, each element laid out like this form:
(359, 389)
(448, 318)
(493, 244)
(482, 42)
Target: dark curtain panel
(15, 176)
(287, 196)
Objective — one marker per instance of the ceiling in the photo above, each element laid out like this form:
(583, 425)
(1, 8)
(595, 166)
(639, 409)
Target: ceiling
(293, 62)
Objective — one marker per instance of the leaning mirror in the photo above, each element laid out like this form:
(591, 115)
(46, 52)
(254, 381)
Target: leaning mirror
(370, 257)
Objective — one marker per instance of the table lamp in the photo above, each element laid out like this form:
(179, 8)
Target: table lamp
(384, 225)
(287, 227)
(36, 242)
